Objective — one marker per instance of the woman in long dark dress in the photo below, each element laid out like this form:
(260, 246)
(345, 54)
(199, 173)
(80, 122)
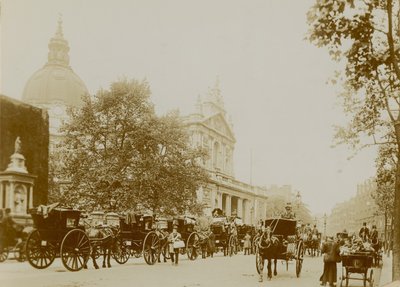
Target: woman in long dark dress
(331, 255)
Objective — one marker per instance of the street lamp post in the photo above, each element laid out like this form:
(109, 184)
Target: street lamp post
(325, 224)
(298, 201)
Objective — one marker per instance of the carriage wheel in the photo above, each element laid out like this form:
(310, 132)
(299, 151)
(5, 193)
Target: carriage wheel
(165, 250)
(120, 252)
(299, 258)
(3, 253)
(75, 250)
(40, 253)
(371, 280)
(193, 246)
(259, 263)
(19, 252)
(151, 248)
(232, 245)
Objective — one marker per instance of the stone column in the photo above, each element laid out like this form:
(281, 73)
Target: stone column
(11, 196)
(219, 194)
(228, 204)
(255, 212)
(30, 197)
(213, 194)
(2, 191)
(240, 207)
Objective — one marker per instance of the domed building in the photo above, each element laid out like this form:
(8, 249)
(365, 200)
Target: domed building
(55, 86)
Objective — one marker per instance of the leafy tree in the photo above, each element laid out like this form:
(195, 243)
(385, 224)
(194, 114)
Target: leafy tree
(365, 35)
(115, 147)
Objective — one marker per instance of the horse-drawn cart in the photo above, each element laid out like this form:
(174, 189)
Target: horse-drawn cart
(357, 263)
(57, 233)
(279, 241)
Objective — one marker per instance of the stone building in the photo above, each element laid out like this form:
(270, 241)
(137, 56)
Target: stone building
(55, 87)
(210, 128)
(351, 214)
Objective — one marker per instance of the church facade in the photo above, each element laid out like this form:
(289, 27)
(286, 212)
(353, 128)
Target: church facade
(210, 128)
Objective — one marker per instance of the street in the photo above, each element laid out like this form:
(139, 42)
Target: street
(233, 271)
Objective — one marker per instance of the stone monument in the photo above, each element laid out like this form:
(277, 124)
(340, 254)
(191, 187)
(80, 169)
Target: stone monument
(16, 186)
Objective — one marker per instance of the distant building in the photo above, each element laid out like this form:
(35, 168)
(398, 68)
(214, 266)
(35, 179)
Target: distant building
(55, 87)
(351, 214)
(210, 128)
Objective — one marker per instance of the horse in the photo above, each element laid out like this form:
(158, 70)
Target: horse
(315, 242)
(103, 239)
(268, 249)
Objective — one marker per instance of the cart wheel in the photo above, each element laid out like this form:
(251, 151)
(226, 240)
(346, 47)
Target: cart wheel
(232, 245)
(19, 252)
(371, 279)
(151, 248)
(254, 244)
(40, 253)
(193, 246)
(299, 258)
(120, 252)
(165, 250)
(259, 263)
(3, 253)
(75, 250)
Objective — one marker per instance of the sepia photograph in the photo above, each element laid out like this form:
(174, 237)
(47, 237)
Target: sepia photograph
(189, 143)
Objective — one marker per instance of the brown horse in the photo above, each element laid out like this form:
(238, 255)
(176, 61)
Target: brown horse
(103, 240)
(269, 247)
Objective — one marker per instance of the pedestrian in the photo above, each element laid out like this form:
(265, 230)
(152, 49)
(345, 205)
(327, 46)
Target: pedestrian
(331, 256)
(364, 232)
(175, 243)
(247, 244)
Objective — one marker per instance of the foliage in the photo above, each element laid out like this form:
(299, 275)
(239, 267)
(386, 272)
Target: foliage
(115, 147)
(364, 35)
(385, 178)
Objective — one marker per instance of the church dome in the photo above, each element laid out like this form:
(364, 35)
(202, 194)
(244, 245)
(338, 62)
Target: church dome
(56, 82)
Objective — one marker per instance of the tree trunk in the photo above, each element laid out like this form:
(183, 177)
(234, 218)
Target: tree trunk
(385, 234)
(396, 213)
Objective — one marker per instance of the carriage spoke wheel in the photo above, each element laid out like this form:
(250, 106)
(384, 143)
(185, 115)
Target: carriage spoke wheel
(40, 253)
(259, 262)
(151, 248)
(165, 250)
(120, 252)
(299, 258)
(193, 246)
(3, 253)
(19, 252)
(75, 250)
(371, 279)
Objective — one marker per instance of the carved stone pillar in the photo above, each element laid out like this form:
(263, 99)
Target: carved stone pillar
(228, 204)
(240, 208)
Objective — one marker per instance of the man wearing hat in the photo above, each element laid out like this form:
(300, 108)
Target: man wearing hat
(364, 232)
(173, 239)
(288, 214)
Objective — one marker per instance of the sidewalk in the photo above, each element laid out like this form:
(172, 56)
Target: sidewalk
(386, 273)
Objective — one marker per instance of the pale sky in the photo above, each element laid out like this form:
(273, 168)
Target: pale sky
(273, 82)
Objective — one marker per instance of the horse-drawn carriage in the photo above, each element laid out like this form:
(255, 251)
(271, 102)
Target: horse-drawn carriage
(12, 239)
(138, 236)
(279, 241)
(57, 233)
(357, 263)
(225, 235)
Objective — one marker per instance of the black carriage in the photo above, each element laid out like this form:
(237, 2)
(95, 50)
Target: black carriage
(242, 230)
(137, 236)
(13, 241)
(291, 246)
(357, 263)
(186, 227)
(57, 233)
(225, 235)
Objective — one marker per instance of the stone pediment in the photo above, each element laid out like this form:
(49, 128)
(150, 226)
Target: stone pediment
(219, 123)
